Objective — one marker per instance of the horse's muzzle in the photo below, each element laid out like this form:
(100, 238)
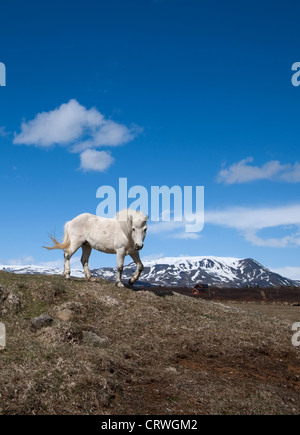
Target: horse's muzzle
(138, 247)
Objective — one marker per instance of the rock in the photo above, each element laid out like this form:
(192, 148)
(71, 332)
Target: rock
(41, 321)
(67, 310)
(76, 307)
(10, 302)
(109, 301)
(2, 336)
(171, 370)
(92, 338)
(73, 334)
(65, 315)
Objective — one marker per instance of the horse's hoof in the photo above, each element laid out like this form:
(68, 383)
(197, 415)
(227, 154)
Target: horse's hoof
(130, 283)
(120, 285)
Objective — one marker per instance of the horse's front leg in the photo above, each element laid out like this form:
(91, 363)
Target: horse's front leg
(120, 263)
(136, 258)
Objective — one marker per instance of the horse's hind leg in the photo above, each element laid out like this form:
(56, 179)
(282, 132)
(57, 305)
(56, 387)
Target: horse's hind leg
(67, 269)
(86, 252)
(67, 256)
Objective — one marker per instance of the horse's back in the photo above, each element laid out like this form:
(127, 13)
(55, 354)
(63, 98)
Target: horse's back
(83, 216)
(100, 233)
(87, 222)
(81, 222)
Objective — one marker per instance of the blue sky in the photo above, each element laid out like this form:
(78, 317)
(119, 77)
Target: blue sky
(189, 93)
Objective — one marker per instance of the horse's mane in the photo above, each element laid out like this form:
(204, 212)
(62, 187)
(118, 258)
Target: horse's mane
(124, 215)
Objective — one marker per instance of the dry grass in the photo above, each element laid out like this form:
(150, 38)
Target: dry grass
(157, 355)
(279, 310)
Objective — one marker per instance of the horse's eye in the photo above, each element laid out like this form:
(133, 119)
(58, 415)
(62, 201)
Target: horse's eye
(133, 229)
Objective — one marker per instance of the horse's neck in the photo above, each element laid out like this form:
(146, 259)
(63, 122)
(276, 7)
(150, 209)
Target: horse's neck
(126, 227)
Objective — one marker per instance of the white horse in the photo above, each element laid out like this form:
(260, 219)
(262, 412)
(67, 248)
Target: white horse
(123, 235)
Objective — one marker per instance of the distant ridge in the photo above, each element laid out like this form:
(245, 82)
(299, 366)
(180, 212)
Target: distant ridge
(183, 271)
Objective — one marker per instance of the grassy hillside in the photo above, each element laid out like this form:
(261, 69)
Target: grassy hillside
(119, 351)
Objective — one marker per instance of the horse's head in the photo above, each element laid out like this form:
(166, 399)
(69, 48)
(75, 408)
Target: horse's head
(138, 229)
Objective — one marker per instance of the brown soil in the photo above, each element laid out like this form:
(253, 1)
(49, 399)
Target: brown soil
(159, 353)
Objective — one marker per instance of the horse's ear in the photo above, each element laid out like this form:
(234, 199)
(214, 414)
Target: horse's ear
(146, 218)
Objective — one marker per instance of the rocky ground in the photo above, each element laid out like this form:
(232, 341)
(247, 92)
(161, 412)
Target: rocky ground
(98, 349)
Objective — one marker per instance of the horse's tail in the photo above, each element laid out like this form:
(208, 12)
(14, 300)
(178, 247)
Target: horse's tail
(65, 245)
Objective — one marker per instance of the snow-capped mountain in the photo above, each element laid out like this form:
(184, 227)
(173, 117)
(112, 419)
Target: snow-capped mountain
(183, 271)
(188, 271)
(39, 270)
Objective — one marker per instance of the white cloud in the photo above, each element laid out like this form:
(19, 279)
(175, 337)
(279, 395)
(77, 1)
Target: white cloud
(59, 263)
(186, 236)
(92, 160)
(3, 132)
(60, 126)
(173, 229)
(79, 129)
(69, 124)
(21, 261)
(243, 172)
(51, 264)
(288, 272)
(165, 227)
(29, 261)
(249, 221)
(153, 257)
(113, 134)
